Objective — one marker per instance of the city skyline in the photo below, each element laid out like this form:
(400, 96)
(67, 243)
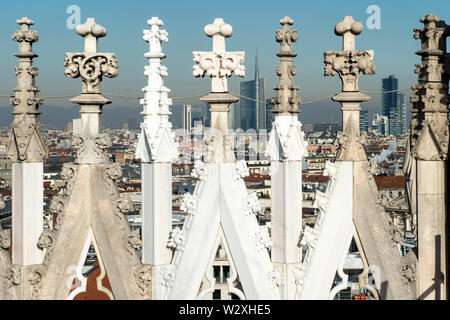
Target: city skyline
(125, 39)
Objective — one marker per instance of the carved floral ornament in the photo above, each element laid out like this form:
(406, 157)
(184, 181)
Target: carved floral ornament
(188, 203)
(155, 36)
(91, 68)
(176, 240)
(349, 62)
(285, 99)
(432, 34)
(90, 65)
(218, 63)
(25, 34)
(251, 204)
(286, 36)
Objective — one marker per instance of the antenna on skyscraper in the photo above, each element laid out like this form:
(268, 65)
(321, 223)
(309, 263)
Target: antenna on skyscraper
(256, 65)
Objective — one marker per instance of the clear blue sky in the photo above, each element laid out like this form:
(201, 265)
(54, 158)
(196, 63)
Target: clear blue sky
(254, 24)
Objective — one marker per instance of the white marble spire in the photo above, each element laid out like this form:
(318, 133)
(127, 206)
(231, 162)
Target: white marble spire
(157, 150)
(27, 148)
(286, 149)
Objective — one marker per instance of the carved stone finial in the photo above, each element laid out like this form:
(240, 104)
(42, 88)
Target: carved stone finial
(286, 100)
(432, 35)
(286, 36)
(349, 62)
(156, 101)
(26, 138)
(348, 29)
(91, 31)
(90, 64)
(155, 37)
(219, 30)
(25, 37)
(218, 63)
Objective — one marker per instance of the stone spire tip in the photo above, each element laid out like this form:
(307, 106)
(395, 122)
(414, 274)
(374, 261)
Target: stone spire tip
(155, 21)
(286, 20)
(219, 27)
(348, 24)
(91, 28)
(25, 21)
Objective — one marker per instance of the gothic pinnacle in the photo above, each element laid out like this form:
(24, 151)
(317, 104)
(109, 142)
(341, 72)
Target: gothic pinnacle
(286, 100)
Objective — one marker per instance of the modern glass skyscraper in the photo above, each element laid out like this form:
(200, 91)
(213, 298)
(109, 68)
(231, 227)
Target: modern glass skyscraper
(270, 117)
(393, 106)
(401, 103)
(252, 114)
(364, 120)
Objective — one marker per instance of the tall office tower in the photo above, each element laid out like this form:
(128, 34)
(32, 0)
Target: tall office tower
(364, 119)
(389, 102)
(270, 117)
(232, 117)
(252, 114)
(401, 105)
(187, 118)
(380, 124)
(132, 124)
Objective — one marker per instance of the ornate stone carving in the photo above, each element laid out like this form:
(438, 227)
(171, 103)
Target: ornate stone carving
(409, 273)
(152, 147)
(91, 144)
(176, 240)
(92, 149)
(133, 243)
(111, 174)
(218, 63)
(5, 239)
(35, 275)
(90, 65)
(276, 278)
(13, 276)
(200, 170)
(47, 241)
(430, 99)
(286, 100)
(263, 238)
(68, 173)
(167, 278)
(240, 170)
(27, 142)
(124, 205)
(188, 203)
(349, 63)
(144, 278)
(251, 204)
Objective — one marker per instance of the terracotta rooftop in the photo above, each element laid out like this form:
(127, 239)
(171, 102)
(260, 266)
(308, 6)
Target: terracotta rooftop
(390, 182)
(257, 178)
(314, 178)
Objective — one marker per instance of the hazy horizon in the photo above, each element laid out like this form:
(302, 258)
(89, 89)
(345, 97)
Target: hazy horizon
(254, 25)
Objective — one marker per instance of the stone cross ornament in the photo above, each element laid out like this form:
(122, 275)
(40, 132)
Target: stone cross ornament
(90, 65)
(349, 62)
(286, 100)
(155, 37)
(218, 63)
